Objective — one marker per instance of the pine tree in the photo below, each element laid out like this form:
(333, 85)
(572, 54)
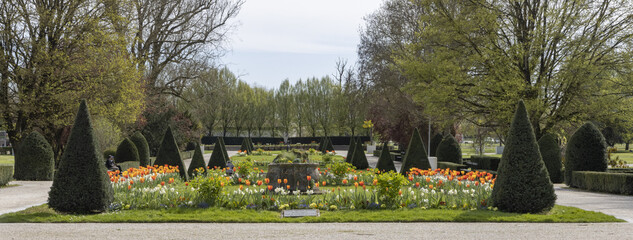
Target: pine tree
(435, 141)
(126, 152)
(449, 151)
(81, 183)
(169, 154)
(550, 151)
(416, 155)
(350, 150)
(35, 159)
(522, 184)
(197, 161)
(385, 163)
(143, 148)
(586, 151)
(359, 160)
(217, 157)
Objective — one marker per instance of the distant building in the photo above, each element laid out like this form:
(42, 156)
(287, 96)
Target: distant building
(4, 139)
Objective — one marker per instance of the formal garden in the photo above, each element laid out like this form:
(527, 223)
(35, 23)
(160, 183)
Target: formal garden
(257, 185)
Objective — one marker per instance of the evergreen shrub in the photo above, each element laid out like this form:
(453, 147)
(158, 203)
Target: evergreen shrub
(197, 161)
(385, 162)
(449, 150)
(415, 156)
(586, 151)
(550, 151)
(126, 152)
(169, 154)
(35, 159)
(435, 142)
(143, 148)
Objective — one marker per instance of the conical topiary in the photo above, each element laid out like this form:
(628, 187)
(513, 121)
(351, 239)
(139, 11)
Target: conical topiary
(250, 144)
(359, 160)
(321, 143)
(522, 183)
(169, 154)
(327, 145)
(449, 151)
(224, 152)
(197, 161)
(143, 148)
(217, 159)
(245, 146)
(435, 141)
(35, 159)
(586, 151)
(81, 183)
(126, 152)
(385, 163)
(550, 152)
(350, 150)
(416, 155)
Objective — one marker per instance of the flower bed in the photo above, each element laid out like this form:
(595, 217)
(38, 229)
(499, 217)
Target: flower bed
(160, 187)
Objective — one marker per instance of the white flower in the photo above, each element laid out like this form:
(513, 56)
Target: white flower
(309, 192)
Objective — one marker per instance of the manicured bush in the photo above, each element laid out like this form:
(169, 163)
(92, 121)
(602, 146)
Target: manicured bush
(618, 183)
(126, 152)
(435, 142)
(81, 183)
(327, 145)
(385, 162)
(550, 151)
(451, 165)
(522, 184)
(224, 152)
(486, 162)
(197, 161)
(350, 150)
(449, 151)
(35, 159)
(6, 171)
(586, 151)
(108, 152)
(359, 160)
(245, 146)
(169, 154)
(416, 154)
(143, 148)
(217, 157)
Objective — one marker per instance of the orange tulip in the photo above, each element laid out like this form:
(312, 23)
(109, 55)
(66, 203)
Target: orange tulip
(344, 181)
(162, 183)
(410, 177)
(129, 187)
(267, 181)
(241, 187)
(131, 182)
(355, 178)
(428, 179)
(248, 183)
(430, 186)
(309, 177)
(316, 184)
(362, 183)
(417, 184)
(288, 187)
(400, 192)
(279, 181)
(270, 187)
(355, 184)
(285, 181)
(239, 180)
(222, 184)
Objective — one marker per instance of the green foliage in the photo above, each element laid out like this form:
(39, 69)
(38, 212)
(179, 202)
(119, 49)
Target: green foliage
(244, 167)
(486, 162)
(217, 159)
(435, 142)
(350, 150)
(81, 183)
(327, 145)
(107, 133)
(450, 165)
(388, 187)
(586, 151)
(197, 161)
(246, 146)
(126, 152)
(143, 148)
(449, 150)
(550, 151)
(224, 152)
(208, 188)
(618, 183)
(35, 159)
(359, 160)
(522, 183)
(385, 163)
(169, 154)
(6, 171)
(285, 157)
(340, 169)
(109, 152)
(416, 154)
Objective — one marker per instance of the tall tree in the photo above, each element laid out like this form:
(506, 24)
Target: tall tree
(284, 102)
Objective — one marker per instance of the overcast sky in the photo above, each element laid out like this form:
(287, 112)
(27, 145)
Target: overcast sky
(279, 39)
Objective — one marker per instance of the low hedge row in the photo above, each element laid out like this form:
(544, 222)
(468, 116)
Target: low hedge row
(6, 174)
(620, 170)
(618, 183)
(451, 165)
(129, 164)
(485, 162)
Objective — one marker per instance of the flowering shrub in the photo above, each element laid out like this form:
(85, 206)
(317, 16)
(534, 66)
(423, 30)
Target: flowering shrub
(339, 170)
(388, 187)
(208, 188)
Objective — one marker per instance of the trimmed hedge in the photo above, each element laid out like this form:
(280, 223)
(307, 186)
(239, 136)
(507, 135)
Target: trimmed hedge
(245, 147)
(359, 160)
(486, 162)
(126, 152)
(197, 161)
(35, 159)
(416, 154)
(350, 150)
(522, 184)
(217, 157)
(550, 151)
(451, 165)
(385, 162)
(618, 183)
(435, 142)
(143, 148)
(169, 154)
(6, 171)
(327, 145)
(81, 183)
(586, 151)
(449, 151)
(224, 152)
(108, 152)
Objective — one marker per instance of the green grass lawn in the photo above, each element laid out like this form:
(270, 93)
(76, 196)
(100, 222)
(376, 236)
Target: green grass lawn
(627, 157)
(6, 159)
(43, 214)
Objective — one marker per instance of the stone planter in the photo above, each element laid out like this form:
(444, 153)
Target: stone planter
(295, 173)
